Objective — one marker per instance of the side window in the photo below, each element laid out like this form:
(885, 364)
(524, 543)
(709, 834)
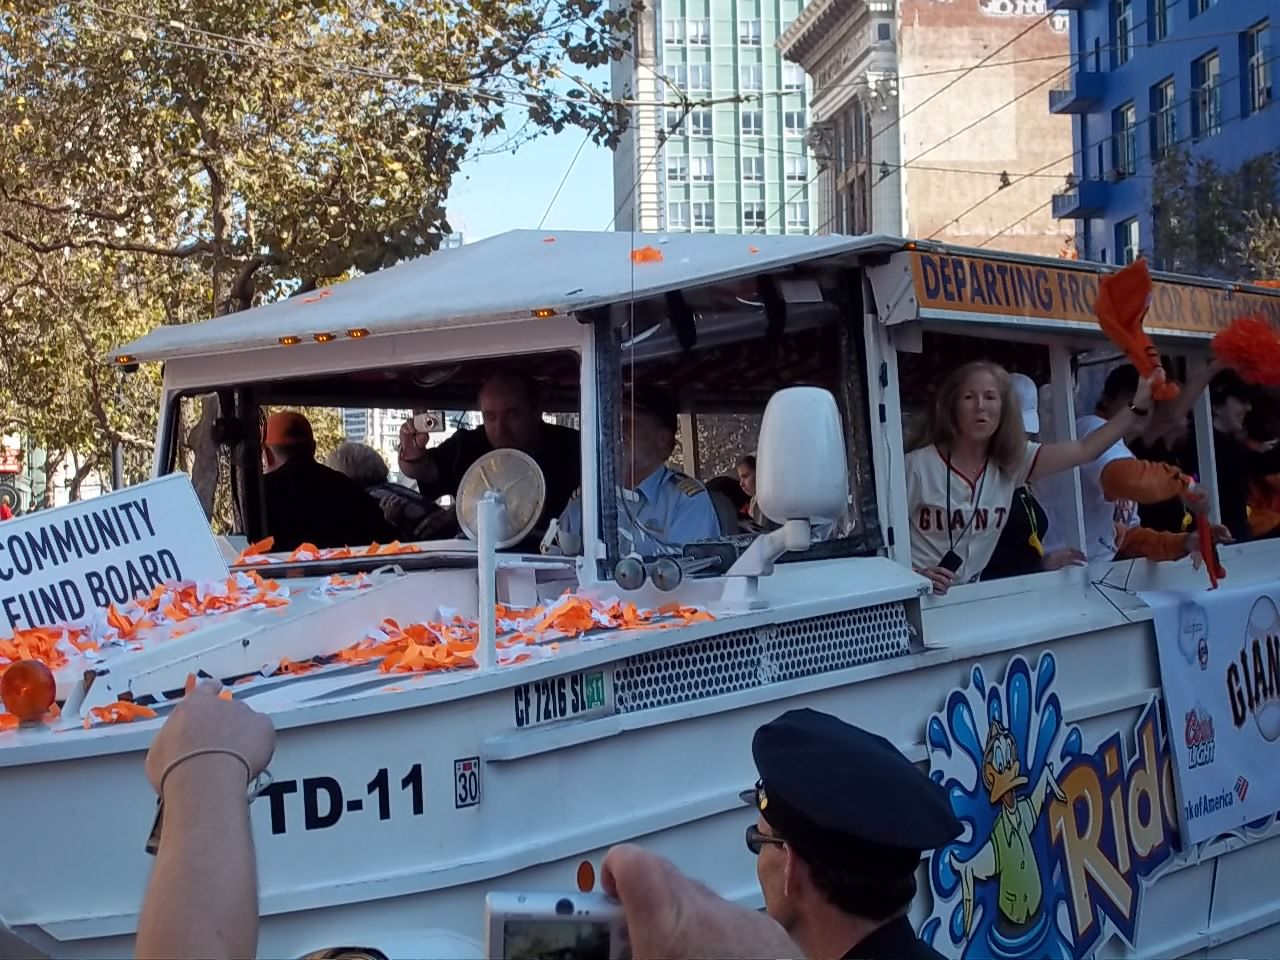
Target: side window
(190, 448)
(971, 408)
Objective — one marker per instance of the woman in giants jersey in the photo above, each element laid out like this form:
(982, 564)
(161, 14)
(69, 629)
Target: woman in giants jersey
(960, 484)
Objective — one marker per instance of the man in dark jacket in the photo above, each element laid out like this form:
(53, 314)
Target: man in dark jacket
(306, 501)
(843, 820)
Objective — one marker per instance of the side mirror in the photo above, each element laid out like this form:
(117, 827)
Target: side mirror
(802, 469)
(801, 480)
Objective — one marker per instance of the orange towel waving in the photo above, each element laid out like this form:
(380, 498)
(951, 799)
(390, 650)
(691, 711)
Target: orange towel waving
(1123, 300)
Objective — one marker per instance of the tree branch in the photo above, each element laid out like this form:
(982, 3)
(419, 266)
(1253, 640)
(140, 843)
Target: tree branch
(65, 209)
(182, 252)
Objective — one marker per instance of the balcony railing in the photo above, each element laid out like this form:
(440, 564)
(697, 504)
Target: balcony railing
(1086, 199)
(1081, 94)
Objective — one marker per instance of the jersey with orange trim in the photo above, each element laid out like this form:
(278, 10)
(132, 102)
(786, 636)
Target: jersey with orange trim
(979, 508)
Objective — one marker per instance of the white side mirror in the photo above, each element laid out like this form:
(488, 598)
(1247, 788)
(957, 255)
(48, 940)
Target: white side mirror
(802, 470)
(801, 480)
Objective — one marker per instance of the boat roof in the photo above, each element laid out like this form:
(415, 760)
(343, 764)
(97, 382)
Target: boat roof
(503, 278)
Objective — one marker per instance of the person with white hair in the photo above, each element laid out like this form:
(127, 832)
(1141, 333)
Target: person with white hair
(413, 517)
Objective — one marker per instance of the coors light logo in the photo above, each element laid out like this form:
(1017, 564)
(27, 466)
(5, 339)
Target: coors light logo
(1199, 737)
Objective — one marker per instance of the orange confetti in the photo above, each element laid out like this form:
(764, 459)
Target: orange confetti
(121, 712)
(646, 255)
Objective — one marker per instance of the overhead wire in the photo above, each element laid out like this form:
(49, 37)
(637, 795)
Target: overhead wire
(1222, 122)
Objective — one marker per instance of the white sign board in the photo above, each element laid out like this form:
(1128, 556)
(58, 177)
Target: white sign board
(1220, 669)
(58, 566)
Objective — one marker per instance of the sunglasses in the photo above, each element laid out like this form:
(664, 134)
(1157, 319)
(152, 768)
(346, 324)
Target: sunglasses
(756, 840)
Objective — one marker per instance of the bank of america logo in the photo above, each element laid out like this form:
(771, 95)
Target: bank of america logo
(1242, 787)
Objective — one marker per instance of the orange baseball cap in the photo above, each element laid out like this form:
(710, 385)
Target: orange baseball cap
(287, 428)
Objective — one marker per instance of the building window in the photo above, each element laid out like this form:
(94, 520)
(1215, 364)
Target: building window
(884, 32)
(700, 32)
(1200, 6)
(749, 33)
(797, 168)
(673, 31)
(751, 76)
(1206, 82)
(1257, 55)
(699, 76)
(676, 74)
(1128, 248)
(701, 170)
(1121, 32)
(792, 76)
(753, 215)
(675, 121)
(753, 169)
(1124, 138)
(752, 123)
(793, 123)
(1159, 18)
(1164, 127)
(700, 123)
(704, 215)
(677, 168)
(678, 215)
(798, 216)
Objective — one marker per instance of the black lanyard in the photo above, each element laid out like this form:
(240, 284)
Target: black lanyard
(977, 502)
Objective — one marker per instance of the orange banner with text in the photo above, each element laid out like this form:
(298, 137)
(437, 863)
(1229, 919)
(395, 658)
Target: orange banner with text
(979, 285)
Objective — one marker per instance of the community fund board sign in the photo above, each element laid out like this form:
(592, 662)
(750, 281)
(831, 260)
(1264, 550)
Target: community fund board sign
(1220, 669)
(59, 565)
(1063, 837)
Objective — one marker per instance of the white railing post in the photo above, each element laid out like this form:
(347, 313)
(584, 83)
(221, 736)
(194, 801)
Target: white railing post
(486, 548)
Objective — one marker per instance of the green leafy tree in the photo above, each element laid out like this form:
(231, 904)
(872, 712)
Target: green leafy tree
(1215, 223)
(193, 159)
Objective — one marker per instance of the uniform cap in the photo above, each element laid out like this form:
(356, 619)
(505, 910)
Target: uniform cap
(656, 402)
(841, 795)
(287, 428)
(1024, 388)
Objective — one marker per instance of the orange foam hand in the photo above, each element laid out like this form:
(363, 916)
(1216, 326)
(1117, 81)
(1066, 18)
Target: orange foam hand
(1123, 300)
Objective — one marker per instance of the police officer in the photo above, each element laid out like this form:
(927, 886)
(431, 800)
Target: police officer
(659, 509)
(843, 821)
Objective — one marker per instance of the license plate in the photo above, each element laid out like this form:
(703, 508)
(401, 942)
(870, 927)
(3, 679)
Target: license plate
(560, 698)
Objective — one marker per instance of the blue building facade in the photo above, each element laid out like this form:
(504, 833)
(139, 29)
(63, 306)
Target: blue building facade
(1149, 76)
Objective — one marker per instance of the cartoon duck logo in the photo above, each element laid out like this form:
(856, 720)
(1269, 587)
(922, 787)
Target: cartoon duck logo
(1008, 854)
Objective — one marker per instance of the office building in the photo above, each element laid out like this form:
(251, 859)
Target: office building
(736, 161)
(1154, 76)
(914, 135)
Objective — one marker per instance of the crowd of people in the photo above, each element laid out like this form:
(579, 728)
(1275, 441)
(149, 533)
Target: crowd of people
(989, 498)
(836, 865)
(989, 495)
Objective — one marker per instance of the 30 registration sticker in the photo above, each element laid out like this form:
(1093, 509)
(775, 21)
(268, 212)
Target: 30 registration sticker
(561, 698)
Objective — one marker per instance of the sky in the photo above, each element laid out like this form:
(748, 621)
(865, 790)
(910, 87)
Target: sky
(506, 191)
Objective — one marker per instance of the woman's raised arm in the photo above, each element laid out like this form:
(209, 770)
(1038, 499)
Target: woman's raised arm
(1057, 457)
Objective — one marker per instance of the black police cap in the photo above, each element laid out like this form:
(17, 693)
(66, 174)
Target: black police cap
(844, 796)
(658, 402)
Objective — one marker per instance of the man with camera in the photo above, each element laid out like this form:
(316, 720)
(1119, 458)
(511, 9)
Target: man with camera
(512, 415)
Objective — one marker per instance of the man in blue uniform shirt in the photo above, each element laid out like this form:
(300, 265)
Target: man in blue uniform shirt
(843, 818)
(659, 509)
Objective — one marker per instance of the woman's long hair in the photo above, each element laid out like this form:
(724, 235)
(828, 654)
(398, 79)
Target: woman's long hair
(1008, 446)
